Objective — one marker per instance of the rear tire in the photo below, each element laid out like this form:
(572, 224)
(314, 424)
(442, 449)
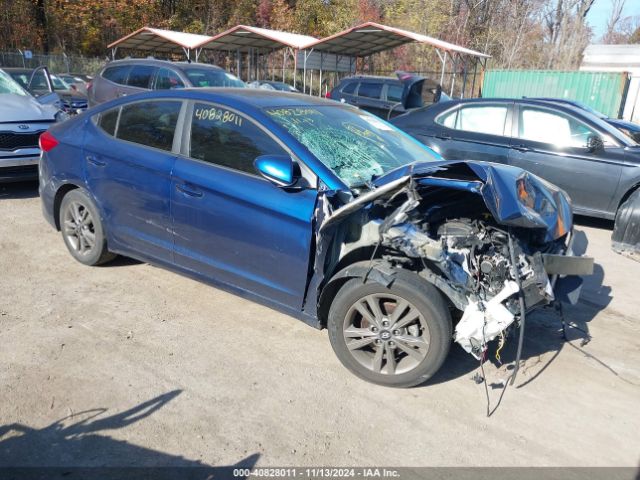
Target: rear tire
(385, 347)
(82, 229)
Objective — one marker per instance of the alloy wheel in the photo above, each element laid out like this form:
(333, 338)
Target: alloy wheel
(386, 334)
(78, 228)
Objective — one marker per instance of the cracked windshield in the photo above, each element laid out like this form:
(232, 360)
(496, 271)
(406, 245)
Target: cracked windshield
(356, 145)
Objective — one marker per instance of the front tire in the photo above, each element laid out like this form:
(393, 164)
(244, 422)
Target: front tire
(82, 229)
(397, 336)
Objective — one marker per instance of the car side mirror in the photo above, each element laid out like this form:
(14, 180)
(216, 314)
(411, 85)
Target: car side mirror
(280, 170)
(594, 143)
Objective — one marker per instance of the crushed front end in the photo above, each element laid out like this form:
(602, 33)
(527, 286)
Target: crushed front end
(494, 240)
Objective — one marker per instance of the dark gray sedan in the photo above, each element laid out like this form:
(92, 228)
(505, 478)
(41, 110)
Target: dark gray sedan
(595, 163)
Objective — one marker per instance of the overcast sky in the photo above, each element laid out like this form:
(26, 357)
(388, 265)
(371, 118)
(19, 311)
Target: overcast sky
(601, 10)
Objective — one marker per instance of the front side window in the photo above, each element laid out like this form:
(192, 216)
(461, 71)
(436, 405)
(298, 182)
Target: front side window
(488, 119)
(223, 137)
(357, 146)
(394, 93)
(539, 125)
(149, 123)
(211, 77)
(117, 74)
(140, 76)
(370, 90)
(167, 79)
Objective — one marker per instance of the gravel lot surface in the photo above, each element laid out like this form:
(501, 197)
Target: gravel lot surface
(129, 364)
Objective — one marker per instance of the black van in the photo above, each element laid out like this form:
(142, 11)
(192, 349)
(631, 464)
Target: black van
(388, 97)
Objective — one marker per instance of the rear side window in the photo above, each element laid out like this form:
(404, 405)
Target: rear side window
(149, 123)
(394, 93)
(167, 79)
(225, 138)
(140, 76)
(108, 121)
(117, 74)
(370, 90)
(350, 87)
(489, 119)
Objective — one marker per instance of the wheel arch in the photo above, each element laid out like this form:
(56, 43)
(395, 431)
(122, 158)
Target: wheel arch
(627, 194)
(57, 200)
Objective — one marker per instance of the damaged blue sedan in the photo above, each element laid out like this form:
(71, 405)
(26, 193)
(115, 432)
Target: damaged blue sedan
(319, 210)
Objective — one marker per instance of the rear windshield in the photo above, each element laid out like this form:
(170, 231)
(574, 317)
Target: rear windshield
(209, 77)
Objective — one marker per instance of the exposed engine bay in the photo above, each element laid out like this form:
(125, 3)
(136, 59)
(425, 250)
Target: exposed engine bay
(493, 245)
(474, 257)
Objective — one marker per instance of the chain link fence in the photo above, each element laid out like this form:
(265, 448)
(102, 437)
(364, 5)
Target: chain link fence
(56, 63)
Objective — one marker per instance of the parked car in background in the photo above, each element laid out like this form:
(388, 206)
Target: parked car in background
(388, 97)
(595, 163)
(76, 82)
(315, 208)
(272, 85)
(126, 77)
(630, 129)
(39, 82)
(22, 119)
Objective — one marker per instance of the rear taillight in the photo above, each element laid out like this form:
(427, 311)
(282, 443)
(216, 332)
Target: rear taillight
(328, 94)
(47, 142)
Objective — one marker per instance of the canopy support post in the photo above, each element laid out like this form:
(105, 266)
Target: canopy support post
(464, 76)
(284, 62)
(114, 50)
(444, 63)
(295, 66)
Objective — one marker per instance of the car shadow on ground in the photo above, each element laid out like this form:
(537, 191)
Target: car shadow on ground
(74, 447)
(18, 190)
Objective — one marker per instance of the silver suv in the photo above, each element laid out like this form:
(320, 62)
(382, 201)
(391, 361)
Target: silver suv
(126, 77)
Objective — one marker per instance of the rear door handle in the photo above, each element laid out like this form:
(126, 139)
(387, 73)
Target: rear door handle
(521, 148)
(444, 136)
(94, 160)
(188, 190)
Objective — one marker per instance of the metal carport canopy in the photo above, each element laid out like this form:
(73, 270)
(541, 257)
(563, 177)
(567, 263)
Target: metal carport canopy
(157, 40)
(243, 38)
(369, 38)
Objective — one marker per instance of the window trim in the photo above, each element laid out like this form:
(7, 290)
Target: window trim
(185, 148)
(355, 89)
(154, 71)
(388, 85)
(516, 126)
(507, 131)
(379, 97)
(126, 78)
(175, 145)
(155, 78)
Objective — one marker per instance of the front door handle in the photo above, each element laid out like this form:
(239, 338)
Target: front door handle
(521, 148)
(189, 190)
(94, 160)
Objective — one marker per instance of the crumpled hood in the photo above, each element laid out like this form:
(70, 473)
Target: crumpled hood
(514, 196)
(18, 108)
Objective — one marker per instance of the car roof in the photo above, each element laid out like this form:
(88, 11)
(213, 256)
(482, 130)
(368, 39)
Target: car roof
(371, 77)
(17, 69)
(249, 99)
(160, 63)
